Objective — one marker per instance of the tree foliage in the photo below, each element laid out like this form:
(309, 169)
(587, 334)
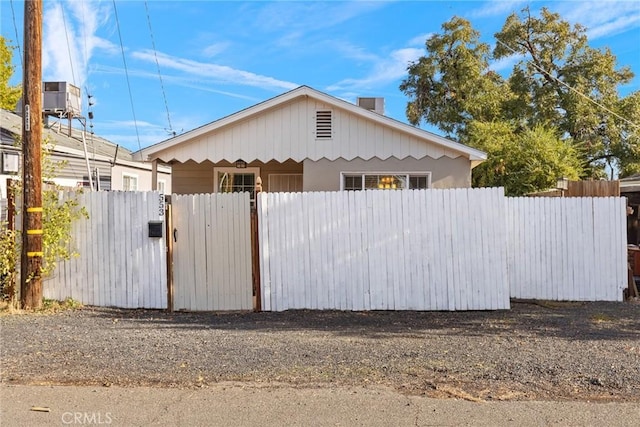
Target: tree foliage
(453, 85)
(9, 95)
(521, 161)
(559, 87)
(59, 214)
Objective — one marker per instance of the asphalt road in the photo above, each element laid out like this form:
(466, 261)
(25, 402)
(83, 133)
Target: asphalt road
(246, 404)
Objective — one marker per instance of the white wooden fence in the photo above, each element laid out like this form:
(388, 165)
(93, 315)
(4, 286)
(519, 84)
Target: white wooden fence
(384, 250)
(464, 249)
(118, 264)
(212, 252)
(567, 248)
(460, 249)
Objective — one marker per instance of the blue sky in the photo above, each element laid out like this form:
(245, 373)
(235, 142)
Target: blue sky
(203, 60)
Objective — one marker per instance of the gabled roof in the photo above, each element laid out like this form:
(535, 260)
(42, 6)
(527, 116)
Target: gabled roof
(151, 152)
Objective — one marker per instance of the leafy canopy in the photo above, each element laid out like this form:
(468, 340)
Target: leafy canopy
(9, 95)
(559, 87)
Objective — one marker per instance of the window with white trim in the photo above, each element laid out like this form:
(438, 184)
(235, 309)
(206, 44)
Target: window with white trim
(161, 186)
(385, 181)
(129, 182)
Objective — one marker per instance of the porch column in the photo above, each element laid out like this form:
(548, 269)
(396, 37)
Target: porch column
(154, 175)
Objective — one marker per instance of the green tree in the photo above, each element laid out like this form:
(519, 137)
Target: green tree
(521, 161)
(9, 95)
(564, 82)
(453, 85)
(560, 87)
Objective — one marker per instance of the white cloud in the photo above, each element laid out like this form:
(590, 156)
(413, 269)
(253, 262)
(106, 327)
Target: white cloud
(69, 40)
(499, 8)
(306, 16)
(384, 71)
(289, 23)
(420, 40)
(602, 18)
(215, 72)
(215, 49)
(354, 52)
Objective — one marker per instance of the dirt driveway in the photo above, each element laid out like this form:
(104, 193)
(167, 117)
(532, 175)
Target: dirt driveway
(545, 351)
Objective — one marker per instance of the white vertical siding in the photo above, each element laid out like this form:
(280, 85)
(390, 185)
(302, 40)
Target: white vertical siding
(288, 132)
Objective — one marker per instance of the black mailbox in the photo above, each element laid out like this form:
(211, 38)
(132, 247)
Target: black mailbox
(155, 228)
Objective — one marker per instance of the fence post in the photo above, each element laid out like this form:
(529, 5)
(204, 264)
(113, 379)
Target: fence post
(255, 261)
(255, 249)
(169, 236)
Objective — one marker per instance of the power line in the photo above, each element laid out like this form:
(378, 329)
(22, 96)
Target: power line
(15, 28)
(84, 38)
(66, 33)
(153, 44)
(126, 71)
(593, 101)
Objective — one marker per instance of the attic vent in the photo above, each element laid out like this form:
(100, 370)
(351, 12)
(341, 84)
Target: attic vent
(324, 124)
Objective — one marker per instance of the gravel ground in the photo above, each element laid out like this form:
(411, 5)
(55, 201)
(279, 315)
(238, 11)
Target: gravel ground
(544, 351)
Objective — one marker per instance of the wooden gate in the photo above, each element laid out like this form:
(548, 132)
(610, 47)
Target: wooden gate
(211, 252)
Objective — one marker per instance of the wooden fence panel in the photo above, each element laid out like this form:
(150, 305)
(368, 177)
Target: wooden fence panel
(377, 250)
(593, 189)
(212, 252)
(118, 264)
(567, 248)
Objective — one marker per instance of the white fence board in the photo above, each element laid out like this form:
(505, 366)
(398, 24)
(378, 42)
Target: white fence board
(212, 253)
(377, 250)
(118, 264)
(567, 248)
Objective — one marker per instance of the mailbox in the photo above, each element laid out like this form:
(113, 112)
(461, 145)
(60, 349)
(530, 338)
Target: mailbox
(155, 228)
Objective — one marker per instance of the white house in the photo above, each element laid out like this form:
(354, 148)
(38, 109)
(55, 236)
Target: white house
(306, 140)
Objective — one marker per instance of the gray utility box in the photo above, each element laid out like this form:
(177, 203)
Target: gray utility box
(61, 97)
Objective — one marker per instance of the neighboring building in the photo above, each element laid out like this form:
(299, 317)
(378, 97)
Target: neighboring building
(110, 165)
(630, 188)
(306, 140)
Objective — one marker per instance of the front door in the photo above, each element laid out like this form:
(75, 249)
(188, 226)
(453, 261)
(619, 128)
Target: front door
(236, 180)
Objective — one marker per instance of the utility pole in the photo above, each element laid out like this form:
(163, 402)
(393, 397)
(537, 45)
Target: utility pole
(32, 252)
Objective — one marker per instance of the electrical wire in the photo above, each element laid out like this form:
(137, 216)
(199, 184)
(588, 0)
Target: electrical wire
(15, 28)
(89, 96)
(126, 71)
(164, 95)
(593, 101)
(66, 33)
